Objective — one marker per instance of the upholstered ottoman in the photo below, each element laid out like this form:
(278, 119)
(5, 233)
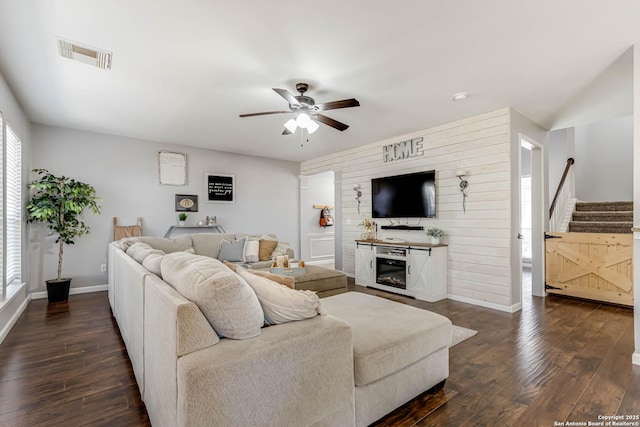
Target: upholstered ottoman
(399, 351)
(324, 281)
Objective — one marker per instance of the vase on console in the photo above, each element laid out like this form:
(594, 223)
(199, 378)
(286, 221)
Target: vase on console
(182, 218)
(434, 235)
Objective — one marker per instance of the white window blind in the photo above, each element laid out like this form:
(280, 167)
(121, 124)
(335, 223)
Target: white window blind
(2, 285)
(13, 200)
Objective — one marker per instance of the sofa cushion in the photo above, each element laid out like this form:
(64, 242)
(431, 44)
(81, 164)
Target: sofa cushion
(139, 251)
(232, 251)
(177, 244)
(409, 333)
(266, 236)
(227, 301)
(280, 303)
(152, 263)
(288, 281)
(208, 244)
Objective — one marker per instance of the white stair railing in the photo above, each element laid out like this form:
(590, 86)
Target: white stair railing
(564, 201)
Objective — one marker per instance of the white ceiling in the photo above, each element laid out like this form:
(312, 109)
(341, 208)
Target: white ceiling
(184, 70)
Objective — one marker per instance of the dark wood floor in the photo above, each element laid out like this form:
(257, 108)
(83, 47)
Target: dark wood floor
(556, 360)
(66, 365)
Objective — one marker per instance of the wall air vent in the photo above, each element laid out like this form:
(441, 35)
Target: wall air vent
(83, 53)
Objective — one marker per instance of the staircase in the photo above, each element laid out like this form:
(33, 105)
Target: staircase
(602, 217)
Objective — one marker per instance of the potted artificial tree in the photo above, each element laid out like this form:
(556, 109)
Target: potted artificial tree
(58, 202)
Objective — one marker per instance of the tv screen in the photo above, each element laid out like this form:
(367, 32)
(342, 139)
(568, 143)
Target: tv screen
(404, 196)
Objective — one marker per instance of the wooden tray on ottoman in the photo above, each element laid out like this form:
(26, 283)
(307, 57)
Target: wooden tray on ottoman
(289, 271)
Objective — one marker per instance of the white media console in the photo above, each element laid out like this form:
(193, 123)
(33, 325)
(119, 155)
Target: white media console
(418, 270)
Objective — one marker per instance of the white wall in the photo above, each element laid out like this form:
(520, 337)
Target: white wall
(604, 160)
(560, 147)
(125, 174)
(479, 266)
(609, 95)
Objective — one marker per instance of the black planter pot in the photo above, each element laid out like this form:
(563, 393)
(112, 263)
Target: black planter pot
(58, 290)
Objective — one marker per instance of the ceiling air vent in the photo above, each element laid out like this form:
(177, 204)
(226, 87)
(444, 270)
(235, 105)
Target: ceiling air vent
(83, 53)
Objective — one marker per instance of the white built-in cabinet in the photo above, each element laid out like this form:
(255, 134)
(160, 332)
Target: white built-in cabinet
(413, 269)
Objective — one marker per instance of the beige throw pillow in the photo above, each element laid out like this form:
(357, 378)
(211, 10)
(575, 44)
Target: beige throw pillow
(225, 299)
(288, 281)
(280, 250)
(280, 303)
(266, 248)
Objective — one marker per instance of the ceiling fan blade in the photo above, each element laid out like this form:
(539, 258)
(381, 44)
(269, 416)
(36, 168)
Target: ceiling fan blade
(330, 122)
(264, 113)
(287, 95)
(345, 103)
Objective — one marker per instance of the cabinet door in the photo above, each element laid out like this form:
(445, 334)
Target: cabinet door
(419, 271)
(364, 264)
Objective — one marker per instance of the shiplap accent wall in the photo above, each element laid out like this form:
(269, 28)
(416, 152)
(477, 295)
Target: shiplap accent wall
(479, 253)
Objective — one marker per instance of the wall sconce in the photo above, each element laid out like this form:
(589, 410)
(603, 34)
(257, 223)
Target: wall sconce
(356, 188)
(463, 187)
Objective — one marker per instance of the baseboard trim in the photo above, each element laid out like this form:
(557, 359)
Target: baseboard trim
(635, 358)
(74, 291)
(509, 309)
(12, 321)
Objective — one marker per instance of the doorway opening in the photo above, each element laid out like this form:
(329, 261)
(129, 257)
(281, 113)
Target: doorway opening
(317, 242)
(532, 217)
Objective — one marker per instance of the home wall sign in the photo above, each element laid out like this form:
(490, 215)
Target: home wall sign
(220, 188)
(402, 150)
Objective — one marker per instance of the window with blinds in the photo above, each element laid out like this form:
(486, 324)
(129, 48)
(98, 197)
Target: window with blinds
(2, 180)
(13, 203)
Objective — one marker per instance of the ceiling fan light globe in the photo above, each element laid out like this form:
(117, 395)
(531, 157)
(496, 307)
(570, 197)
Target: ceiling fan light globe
(312, 126)
(303, 120)
(291, 125)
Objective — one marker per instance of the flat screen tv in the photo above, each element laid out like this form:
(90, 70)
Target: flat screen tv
(404, 196)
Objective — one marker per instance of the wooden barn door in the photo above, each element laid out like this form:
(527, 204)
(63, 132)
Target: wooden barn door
(590, 265)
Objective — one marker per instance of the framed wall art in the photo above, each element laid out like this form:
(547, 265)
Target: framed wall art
(220, 188)
(186, 203)
(172, 168)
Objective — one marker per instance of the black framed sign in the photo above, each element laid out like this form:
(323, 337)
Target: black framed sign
(186, 203)
(220, 188)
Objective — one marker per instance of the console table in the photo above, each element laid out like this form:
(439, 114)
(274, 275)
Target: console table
(191, 229)
(413, 269)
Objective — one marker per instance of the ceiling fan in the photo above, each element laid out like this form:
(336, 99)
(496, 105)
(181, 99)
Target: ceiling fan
(307, 111)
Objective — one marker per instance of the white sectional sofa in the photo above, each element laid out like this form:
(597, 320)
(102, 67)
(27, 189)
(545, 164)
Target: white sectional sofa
(337, 369)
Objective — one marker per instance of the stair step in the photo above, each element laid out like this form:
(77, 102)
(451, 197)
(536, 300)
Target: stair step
(604, 206)
(606, 216)
(600, 227)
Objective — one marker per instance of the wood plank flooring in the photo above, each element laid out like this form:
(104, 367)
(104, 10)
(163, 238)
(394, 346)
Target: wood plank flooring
(66, 365)
(557, 360)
